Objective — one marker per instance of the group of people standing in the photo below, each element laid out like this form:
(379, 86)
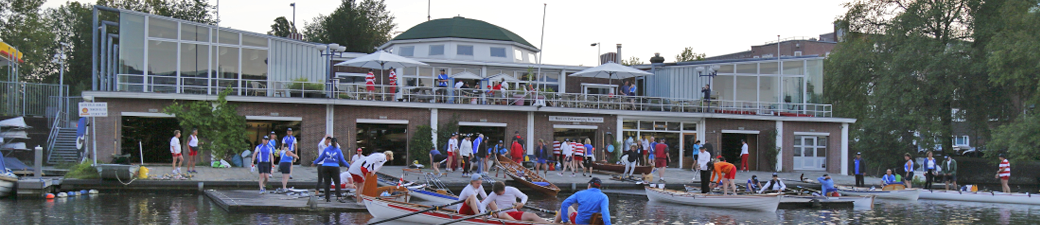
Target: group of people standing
(474, 153)
(647, 151)
(934, 171)
(570, 154)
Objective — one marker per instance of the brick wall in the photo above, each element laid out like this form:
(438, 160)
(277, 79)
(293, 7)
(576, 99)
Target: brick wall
(833, 143)
(345, 122)
(713, 135)
(543, 129)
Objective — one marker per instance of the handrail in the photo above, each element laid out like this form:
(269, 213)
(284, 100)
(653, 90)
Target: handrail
(53, 135)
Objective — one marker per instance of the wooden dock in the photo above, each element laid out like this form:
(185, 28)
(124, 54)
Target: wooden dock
(251, 201)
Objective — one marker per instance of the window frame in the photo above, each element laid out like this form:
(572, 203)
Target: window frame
(458, 50)
(432, 52)
(491, 52)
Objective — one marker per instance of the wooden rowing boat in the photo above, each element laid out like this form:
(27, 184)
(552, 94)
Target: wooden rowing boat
(618, 168)
(988, 197)
(755, 202)
(515, 170)
(380, 208)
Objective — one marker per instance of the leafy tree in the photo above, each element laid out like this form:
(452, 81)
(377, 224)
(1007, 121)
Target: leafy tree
(282, 27)
(1008, 31)
(191, 10)
(23, 26)
(631, 61)
(688, 55)
(420, 145)
(359, 25)
(71, 24)
(217, 121)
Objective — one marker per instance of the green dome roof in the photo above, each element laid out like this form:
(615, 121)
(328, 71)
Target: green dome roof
(459, 27)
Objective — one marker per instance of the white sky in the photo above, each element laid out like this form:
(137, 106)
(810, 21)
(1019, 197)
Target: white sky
(709, 26)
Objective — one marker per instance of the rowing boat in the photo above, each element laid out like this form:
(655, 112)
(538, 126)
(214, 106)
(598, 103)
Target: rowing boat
(618, 168)
(527, 177)
(989, 197)
(755, 202)
(419, 191)
(389, 209)
(905, 194)
(858, 202)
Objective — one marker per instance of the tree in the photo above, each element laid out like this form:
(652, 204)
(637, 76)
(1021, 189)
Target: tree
(360, 26)
(23, 26)
(217, 121)
(688, 55)
(420, 145)
(1004, 27)
(631, 61)
(282, 27)
(191, 10)
(71, 24)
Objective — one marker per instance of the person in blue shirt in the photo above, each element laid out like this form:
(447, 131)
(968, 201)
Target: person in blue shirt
(330, 160)
(436, 158)
(753, 184)
(262, 157)
(826, 185)
(477, 159)
(590, 202)
(285, 166)
(289, 144)
(858, 166)
(696, 153)
(442, 79)
(889, 178)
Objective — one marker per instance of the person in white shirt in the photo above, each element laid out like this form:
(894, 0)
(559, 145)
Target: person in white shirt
(470, 194)
(367, 166)
(774, 185)
(744, 155)
(568, 155)
(466, 151)
(702, 162)
(504, 196)
(175, 149)
(357, 156)
(453, 147)
(193, 149)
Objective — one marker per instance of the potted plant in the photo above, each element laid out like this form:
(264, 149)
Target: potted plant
(301, 87)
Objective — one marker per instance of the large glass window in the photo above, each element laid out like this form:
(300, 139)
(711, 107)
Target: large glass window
(498, 52)
(793, 68)
(254, 64)
(747, 68)
(407, 51)
(814, 81)
(194, 33)
(250, 40)
(436, 49)
(162, 61)
(227, 69)
(227, 37)
(767, 89)
(793, 91)
(194, 67)
(769, 68)
(746, 89)
(518, 56)
(161, 28)
(724, 87)
(131, 45)
(465, 50)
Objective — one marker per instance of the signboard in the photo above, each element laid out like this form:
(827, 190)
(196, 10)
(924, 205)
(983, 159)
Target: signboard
(576, 119)
(93, 109)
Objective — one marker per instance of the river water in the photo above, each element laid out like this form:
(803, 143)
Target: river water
(191, 208)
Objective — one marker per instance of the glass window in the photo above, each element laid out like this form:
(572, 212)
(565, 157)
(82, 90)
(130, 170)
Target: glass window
(227, 37)
(814, 81)
(162, 58)
(689, 126)
(767, 89)
(724, 87)
(161, 28)
(747, 68)
(465, 50)
(228, 68)
(628, 125)
(821, 141)
(518, 56)
(531, 58)
(793, 68)
(646, 125)
(407, 51)
(746, 89)
(194, 33)
(254, 41)
(793, 90)
(254, 64)
(673, 126)
(769, 68)
(498, 52)
(436, 49)
(194, 67)
(131, 45)
(797, 150)
(725, 69)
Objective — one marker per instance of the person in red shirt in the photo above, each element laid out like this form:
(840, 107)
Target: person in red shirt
(393, 81)
(518, 152)
(661, 157)
(370, 82)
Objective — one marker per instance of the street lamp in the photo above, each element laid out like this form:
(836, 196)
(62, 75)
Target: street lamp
(710, 72)
(60, 59)
(329, 51)
(293, 5)
(598, 54)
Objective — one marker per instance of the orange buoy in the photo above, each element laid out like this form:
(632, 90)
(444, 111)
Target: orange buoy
(49, 196)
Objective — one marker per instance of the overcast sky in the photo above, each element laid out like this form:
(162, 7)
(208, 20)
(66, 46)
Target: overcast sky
(643, 27)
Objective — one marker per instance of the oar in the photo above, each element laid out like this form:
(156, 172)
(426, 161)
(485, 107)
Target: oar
(475, 216)
(540, 209)
(417, 212)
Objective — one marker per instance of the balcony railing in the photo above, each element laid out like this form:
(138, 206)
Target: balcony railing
(360, 91)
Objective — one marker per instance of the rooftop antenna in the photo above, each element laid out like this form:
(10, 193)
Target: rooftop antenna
(428, 3)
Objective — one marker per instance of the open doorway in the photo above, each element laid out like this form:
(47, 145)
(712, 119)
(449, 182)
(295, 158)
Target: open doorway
(150, 136)
(383, 137)
(492, 134)
(575, 134)
(730, 148)
(257, 129)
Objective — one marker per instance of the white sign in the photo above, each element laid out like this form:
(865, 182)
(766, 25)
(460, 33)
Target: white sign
(576, 119)
(93, 109)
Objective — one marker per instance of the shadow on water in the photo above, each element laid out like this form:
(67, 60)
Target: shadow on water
(191, 208)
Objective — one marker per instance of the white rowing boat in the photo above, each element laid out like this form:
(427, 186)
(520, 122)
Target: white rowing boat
(858, 202)
(385, 209)
(988, 197)
(757, 202)
(7, 182)
(420, 191)
(910, 194)
(14, 123)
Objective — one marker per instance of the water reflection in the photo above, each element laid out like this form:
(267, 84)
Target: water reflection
(190, 208)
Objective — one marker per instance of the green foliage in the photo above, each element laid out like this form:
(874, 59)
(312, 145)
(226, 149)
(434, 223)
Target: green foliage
(631, 61)
(358, 25)
(445, 131)
(420, 145)
(220, 127)
(24, 27)
(282, 27)
(304, 83)
(768, 142)
(688, 55)
(83, 170)
(1021, 139)
(191, 10)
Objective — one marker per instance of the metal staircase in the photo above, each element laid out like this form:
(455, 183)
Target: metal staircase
(63, 147)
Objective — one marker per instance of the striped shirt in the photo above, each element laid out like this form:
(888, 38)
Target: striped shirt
(1005, 168)
(556, 147)
(579, 149)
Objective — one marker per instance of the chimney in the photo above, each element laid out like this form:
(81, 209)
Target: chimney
(618, 56)
(657, 58)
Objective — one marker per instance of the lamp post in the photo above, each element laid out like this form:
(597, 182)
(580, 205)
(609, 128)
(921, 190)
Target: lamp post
(329, 51)
(293, 18)
(60, 59)
(711, 72)
(598, 54)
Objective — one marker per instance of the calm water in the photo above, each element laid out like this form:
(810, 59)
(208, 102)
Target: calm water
(190, 208)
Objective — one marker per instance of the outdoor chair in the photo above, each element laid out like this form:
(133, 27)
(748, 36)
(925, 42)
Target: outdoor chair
(258, 88)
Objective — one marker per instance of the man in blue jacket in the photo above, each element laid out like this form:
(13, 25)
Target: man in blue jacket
(590, 201)
(826, 185)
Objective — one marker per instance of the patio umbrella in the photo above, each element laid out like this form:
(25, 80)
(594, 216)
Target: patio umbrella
(610, 70)
(381, 60)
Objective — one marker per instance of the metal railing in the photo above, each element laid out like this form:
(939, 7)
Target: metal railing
(360, 91)
(27, 99)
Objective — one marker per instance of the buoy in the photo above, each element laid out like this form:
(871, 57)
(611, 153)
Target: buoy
(62, 195)
(49, 196)
(83, 192)
(72, 193)
(94, 191)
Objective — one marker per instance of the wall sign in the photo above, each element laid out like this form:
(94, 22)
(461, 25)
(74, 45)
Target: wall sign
(93, 109)
(576, 119)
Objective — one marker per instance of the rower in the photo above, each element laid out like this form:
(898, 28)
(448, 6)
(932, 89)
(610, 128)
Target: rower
(503, 196)
(725, 172)
(889, 178)
(471, 205)
(369, 165)
(590, 201)
(827, 185)
(752, 184)
(774, 185)
(629, 160)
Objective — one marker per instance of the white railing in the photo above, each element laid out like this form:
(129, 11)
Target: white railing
(360, 91)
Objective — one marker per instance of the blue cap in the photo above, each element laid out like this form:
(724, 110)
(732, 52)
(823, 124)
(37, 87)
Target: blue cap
(475, 177)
